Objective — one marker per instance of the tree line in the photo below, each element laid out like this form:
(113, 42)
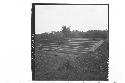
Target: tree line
(65, 33)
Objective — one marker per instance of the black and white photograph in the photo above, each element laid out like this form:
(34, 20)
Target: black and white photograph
(70, 42)
(62, 41)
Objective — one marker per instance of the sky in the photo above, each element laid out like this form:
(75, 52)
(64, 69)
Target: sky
(80, 17)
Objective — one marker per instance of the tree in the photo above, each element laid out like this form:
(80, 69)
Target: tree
(66, 31)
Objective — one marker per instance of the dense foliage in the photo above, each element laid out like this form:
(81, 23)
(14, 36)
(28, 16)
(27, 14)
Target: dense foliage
(60, 36)
(54, 66)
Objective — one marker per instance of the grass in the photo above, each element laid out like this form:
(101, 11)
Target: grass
(60, 66)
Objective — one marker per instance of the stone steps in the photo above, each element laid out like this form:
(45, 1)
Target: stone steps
(74, 45)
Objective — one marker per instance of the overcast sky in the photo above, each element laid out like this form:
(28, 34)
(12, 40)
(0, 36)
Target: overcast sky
(80, 17)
